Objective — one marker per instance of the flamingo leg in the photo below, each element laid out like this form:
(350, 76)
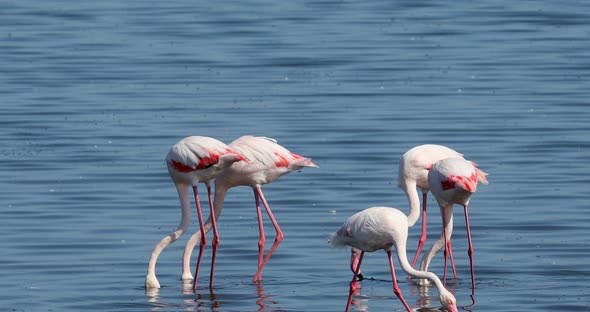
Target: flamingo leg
(396, 288)
(446, 240)
(423, 235)
(203, 238)
(470, 250)
(215, 241)
(450, 247)
(354, 284)
(354, 260)
(279, 234)
(262, 239)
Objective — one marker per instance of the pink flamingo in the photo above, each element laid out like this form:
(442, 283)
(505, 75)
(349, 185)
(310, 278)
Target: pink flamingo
(266, 162)
(379, 228)
(192, 160)
(413, 172)
(452, 181)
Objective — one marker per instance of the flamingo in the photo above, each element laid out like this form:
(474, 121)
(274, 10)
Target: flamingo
(192, 160)
(379, 228)
(266, 162)
(413, 172)
(452, 181)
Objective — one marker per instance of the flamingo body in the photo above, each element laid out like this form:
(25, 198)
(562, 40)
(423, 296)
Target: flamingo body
(267, 161)
(379, 228)
(372, 229)
(192, 160)
(198, 159)
(454, 180)
(415, 163)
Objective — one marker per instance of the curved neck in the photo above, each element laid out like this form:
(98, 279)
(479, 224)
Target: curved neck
(220, 190)
(185, 205)
(414, 201)
(400, 247)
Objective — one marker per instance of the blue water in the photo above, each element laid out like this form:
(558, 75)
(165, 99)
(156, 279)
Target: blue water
(93, 94)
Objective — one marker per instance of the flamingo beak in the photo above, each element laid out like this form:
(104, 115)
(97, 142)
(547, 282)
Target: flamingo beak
(452, 308)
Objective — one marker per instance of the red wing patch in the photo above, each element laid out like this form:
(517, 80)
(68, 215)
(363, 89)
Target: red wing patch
(282, 161)
(207, 162)
(182, 167)
(467, 183)
(448, 183)
(204, 163)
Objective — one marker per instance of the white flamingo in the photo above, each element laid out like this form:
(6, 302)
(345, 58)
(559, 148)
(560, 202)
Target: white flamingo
(193, 160)
(413, 172)
(266, 162)
(379, 228)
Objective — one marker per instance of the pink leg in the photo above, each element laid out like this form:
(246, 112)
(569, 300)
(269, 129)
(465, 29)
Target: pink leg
(450, 247)
(396, 289)
(203, 237)
(446, 251)
(262, 239)
(423, 236)
(354, 260)
(279, 236)
(215, 241)
(354, 285)
(470, 250)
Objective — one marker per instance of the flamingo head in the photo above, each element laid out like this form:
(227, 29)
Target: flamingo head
(448, 301)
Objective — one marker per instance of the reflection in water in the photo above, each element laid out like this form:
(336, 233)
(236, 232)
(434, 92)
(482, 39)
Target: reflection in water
(357, 301)
(206, 301)
(426, 301)
(263, 299)
(472, 296)
(261, 296)
(152, 293)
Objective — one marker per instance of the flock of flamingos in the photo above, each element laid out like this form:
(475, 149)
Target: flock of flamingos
(254, 161)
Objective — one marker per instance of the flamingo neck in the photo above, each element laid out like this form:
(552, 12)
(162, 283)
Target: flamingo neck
(185, 205)
(414, 201)
(400, 248)
(183, 195)
(220, 191)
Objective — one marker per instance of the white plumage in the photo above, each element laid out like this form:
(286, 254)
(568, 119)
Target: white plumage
(266, 161)
(378, 228)
(192, 160)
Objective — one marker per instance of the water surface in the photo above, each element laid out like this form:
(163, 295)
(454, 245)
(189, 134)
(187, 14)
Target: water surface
(94, 93)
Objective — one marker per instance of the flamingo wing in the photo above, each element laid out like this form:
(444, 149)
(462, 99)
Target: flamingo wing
(196, 153)
(269, 153)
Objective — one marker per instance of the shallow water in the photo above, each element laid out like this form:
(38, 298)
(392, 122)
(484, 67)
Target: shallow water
(94, 94)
